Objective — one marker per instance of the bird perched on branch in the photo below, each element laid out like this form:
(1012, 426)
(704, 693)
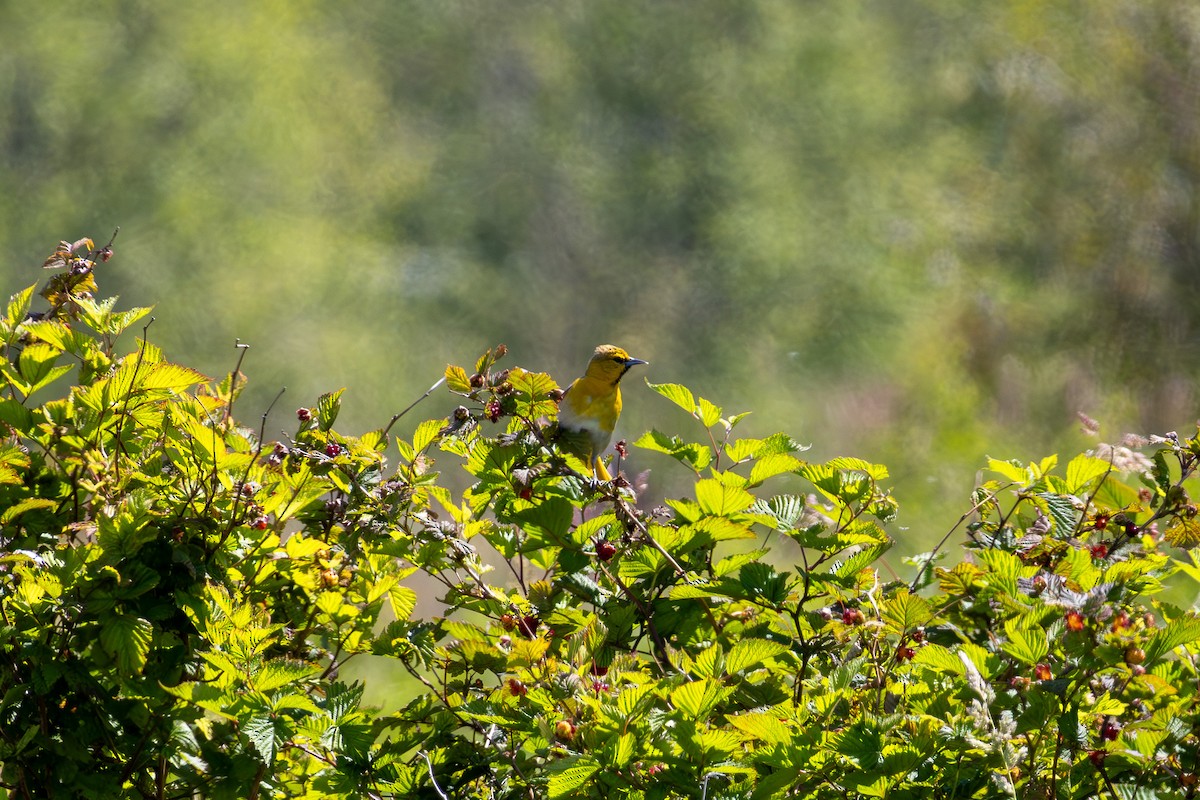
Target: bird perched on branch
(591, 405)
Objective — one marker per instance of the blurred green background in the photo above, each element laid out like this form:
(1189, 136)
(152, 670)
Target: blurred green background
(920, 233)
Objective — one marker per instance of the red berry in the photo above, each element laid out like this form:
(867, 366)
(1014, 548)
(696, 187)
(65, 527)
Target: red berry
(303, 414)
(333, 449)
(1099, 551)
(852, 616)
(1120, 621)
(605, 550)
(525, 493)
(1075, 621)
(1110, 729)
(260, 524)
(517, 688)
(599, 670)
(1097, 757)
(508, 621)
(1042, 672)
(528, 625)
(1101, 522)
(621, 448)
(492, 410)
(905, 653)
(600, 686)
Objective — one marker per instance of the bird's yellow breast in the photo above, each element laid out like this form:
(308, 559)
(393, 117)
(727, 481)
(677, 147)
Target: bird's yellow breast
(591, 406)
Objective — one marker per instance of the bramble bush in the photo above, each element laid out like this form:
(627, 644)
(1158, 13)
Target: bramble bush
(178, 595)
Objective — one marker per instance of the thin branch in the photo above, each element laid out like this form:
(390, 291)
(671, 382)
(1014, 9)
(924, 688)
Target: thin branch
(412, 405)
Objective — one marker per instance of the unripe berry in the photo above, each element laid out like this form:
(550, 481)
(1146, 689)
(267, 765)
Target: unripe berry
(1134, 655)
(564, 730)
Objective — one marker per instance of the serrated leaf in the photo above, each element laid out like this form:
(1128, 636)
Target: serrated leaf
(457, 379)
(695, 455)
(127, 638)
(1082, 470)
(170, 376)
(1179, 632)
(938, 658)
(747, 653)
(571, 777)
(710, 414)
(260, 730)
(18, 306)
(1012, 470)
(427, 433)
(1026, 643)
(1183, 532)
(280, 672)
(678, 394)
(28, 504)
(1062, 512)
(328, 406)
(762, 725)
(720, 499)
(771, 465)
(697, 698)
(905, 611)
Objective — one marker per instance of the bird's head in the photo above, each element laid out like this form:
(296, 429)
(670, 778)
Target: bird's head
(609, 363)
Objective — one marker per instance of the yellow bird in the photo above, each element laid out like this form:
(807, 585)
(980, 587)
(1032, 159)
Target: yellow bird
(591, 405)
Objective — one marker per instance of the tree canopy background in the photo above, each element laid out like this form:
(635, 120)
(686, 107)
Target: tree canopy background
(921, 233)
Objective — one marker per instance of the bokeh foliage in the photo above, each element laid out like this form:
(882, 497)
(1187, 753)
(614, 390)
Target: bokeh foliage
(930, 231)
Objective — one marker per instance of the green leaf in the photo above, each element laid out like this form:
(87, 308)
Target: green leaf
(28, 504)
(746, 653)
(905, 612)
(1012, 470)
(677, 394)
(771, 465)
(280, 672)
(261, 731)
(697, 698)
(719, 499)
(328, 406)
(552, 515)
(939, 658)
(1062, 511)
(570, 775)
(696, 456)
(1179, 632)
(762, 725)
(1082, 471)
(127, 639)
(710, 414)
(18, 306)
(427, 433)
(170, 376)
(457, 379)
(1026, 643)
